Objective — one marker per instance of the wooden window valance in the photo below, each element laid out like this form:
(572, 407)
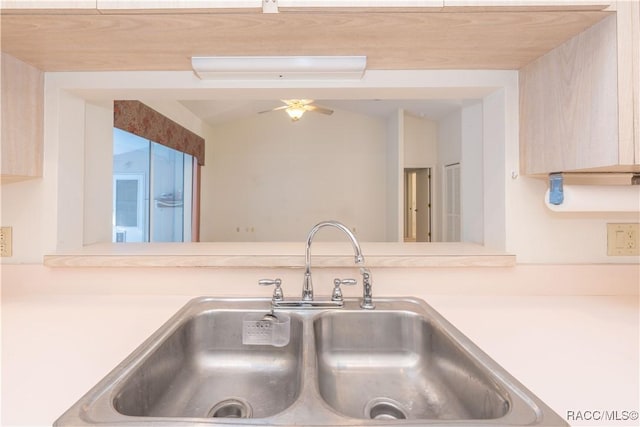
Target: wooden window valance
(141, 120)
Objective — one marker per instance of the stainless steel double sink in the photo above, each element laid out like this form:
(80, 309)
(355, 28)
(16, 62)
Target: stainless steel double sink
(400, 364)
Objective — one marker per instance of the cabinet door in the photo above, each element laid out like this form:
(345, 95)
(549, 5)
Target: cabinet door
(628, 30)
(577, 105)
(22, 120)
(569, 104)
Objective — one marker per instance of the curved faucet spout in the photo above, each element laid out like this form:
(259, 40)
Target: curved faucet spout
(307, 285)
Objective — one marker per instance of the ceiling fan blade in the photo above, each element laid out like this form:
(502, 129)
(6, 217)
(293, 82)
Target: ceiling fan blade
(274, 109)
(318, 109)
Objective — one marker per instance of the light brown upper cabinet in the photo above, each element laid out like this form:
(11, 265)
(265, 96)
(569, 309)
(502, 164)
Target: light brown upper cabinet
(579, 103)
(22, 120)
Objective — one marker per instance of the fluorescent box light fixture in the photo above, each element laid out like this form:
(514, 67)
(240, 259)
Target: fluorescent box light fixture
(279, 67)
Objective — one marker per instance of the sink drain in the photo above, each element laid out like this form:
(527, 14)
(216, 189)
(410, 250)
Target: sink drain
(384, 409)
(231, 408)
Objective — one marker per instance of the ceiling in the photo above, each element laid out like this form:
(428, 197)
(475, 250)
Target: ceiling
(93, 40)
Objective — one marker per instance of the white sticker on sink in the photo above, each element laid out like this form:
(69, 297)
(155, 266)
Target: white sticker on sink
(258, 329)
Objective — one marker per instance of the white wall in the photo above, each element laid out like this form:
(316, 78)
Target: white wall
(496, 170)
(98, 173)
(22, 209)
(449, 152)
(542, 236)
(450, 138)
(420, 142)
(270, 179)
(472, 175)
(394, 182)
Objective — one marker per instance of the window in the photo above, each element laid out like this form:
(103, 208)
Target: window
(152, 191)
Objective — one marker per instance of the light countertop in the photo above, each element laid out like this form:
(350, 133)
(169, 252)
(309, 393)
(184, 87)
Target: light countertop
(278, 254)
(577, 353)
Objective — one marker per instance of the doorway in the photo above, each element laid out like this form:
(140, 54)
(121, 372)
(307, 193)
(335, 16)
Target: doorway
(417, 205)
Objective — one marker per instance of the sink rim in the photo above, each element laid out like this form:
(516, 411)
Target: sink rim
(97, 405)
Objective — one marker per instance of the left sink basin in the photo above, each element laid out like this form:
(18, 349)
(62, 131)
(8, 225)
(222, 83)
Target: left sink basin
(196, 366)
(203, 370)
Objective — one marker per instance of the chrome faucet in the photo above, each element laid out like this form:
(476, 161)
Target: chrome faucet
(307, 284)
(278, 300)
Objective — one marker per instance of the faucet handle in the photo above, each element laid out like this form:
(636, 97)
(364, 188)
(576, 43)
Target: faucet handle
(337, 292)
(278, 295)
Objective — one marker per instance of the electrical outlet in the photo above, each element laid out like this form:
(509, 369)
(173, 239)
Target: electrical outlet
(6, 242)
(623, 239)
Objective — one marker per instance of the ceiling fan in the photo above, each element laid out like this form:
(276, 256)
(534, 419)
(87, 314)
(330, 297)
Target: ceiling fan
(295, 108)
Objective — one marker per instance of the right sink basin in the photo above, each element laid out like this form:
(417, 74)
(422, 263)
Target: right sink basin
(398, 364)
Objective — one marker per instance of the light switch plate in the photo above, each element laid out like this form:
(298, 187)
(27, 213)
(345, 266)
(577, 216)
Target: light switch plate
(622, 239)
(6, 242)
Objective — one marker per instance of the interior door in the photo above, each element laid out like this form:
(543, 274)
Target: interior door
(423, 205)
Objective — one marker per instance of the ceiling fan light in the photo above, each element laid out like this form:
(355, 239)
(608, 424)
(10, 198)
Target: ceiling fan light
(295, 113)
